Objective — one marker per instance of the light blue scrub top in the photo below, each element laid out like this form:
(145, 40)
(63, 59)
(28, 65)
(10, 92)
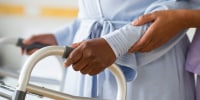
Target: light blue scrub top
(156, 75)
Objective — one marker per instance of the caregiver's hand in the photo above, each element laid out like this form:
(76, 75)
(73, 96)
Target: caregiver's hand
(91, 56)
(165, 25)
(47, 39)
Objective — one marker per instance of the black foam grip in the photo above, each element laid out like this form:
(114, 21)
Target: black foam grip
(67, 51)
(31, 46)
(19, 95)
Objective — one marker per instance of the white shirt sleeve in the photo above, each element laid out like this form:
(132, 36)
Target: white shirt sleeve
(121, 40)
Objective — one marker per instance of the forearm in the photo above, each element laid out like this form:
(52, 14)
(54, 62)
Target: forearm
(193, 18)
(122, 39)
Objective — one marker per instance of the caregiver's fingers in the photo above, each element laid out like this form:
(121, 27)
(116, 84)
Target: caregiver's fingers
(152, 34)
(155, 43)
(144, 19)
(143, 41)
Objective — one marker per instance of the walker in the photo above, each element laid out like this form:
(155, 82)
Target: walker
(23, 83)
(14, 74)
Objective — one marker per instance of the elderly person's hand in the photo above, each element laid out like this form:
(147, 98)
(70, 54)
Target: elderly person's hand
(164, 26)
(46, 38)
(91, 56)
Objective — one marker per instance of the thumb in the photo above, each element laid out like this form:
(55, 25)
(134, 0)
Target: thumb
(74, 56)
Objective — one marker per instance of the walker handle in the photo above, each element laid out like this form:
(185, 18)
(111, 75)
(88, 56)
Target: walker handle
(67, 51)
(36, 45)
(28, 66)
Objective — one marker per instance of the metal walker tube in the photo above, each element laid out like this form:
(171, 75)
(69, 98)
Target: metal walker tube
(13, 41)
(27, 68)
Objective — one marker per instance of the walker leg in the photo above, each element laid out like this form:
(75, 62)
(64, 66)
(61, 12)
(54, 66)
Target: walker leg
(19, 95)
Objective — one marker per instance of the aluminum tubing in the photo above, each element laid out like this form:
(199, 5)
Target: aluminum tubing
(57, 50)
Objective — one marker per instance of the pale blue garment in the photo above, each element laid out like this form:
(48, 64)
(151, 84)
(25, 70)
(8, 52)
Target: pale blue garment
(157, 75)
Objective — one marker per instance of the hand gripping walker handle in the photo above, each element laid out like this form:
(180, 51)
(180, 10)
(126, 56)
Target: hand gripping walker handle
(31, 46)
(25, 74)
(20, 95)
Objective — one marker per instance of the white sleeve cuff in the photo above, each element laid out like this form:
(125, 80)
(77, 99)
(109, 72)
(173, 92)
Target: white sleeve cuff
(121, 40)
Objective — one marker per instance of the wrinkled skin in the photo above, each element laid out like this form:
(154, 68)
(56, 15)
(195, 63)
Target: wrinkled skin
(91, 56)
(165, 25)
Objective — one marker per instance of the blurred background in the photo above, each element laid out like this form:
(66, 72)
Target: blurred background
(23, 18)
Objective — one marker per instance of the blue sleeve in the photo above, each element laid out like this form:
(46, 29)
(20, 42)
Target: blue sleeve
(65, 35)
(122, 39)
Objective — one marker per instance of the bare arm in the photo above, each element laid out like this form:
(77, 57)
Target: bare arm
(165, 25)
(194, 18)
